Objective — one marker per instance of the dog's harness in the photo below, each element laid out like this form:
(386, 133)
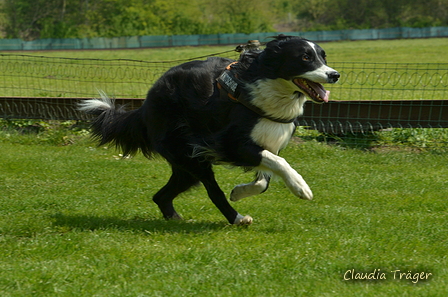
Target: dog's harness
(233, 88)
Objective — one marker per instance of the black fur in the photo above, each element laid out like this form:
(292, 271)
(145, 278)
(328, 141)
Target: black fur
(185, 120)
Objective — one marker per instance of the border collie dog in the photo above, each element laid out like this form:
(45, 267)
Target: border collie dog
(222, 111)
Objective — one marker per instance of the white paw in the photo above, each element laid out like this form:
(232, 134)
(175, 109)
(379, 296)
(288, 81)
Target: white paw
(299, 187)
(238, 193)
(306, 193)
(258, 186)
(243, 220)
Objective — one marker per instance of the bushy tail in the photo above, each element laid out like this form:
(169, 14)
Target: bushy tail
(125, 129)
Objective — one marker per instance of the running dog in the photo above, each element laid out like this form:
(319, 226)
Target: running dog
(218, 110)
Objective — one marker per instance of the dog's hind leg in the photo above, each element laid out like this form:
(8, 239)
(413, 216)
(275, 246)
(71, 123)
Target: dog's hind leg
(187, 171)
(179, 182)
(258, 186)
(203, 171)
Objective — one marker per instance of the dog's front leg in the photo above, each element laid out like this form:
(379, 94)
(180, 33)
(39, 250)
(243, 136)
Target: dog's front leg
(281, 167)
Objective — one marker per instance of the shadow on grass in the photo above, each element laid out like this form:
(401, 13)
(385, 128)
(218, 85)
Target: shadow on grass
(148, 225)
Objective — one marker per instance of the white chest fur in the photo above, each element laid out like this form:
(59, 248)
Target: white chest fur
(272, 136)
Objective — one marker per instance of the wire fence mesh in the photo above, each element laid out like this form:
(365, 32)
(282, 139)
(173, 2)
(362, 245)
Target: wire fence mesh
(37, 76)
(391, 81)
(375, 96)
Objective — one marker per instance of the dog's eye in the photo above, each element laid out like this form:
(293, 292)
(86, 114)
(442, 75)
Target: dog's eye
(306, 57)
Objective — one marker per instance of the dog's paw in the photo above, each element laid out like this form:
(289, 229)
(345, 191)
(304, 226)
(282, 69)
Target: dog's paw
(306, 193)
(299, 187)
(238, 193)
(256, 187)
(174, 217)
(243, 220)
(234, 195)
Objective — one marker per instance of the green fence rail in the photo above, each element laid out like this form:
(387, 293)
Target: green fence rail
(214, 39)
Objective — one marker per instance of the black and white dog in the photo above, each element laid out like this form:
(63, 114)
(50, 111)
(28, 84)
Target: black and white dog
(222, 111)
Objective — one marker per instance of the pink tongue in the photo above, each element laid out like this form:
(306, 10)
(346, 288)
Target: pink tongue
(327, 96)
(319, 89)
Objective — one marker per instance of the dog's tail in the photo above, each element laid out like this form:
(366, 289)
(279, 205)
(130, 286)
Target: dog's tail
(125, 129)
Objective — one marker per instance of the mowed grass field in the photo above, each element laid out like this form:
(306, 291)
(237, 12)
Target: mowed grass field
(76, 220)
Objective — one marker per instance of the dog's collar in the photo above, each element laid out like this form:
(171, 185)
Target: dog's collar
(231, 87)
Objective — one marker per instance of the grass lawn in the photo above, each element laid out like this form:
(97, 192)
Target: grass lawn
(78, 221)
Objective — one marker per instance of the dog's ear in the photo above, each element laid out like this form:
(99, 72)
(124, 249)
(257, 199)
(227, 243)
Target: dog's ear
(274, 46)
(270, 58)
(281, 37)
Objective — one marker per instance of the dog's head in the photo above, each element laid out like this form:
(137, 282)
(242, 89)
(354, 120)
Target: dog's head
(301, 62)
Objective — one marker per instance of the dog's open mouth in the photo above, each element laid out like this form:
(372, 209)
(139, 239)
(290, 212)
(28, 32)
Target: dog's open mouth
(315, 91)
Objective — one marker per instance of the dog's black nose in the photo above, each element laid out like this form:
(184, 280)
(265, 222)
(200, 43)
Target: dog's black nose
(333, 76)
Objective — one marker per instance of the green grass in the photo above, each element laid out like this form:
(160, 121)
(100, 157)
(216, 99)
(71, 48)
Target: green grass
(432, 139)
(379, 51)
(77, 221)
